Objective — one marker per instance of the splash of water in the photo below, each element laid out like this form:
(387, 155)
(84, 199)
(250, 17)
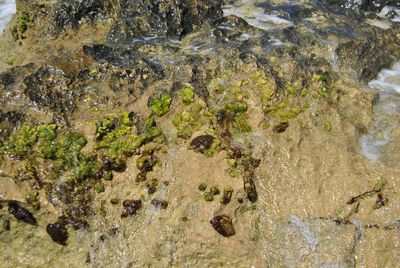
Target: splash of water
(388, 86)
(256, 16)
(7, 10)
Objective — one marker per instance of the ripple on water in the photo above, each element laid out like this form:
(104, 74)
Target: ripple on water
(7, 10)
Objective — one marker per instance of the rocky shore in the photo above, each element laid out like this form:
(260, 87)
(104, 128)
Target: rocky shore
(196, 134)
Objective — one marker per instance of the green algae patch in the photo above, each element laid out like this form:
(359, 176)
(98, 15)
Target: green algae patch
(69, 146)
(21, 142)
(160, 106)
(187, 94)
(188, 121)
(117, 139)
(24, 22)
(47, 147)
(327, 127)
(206, 144)
(323, 86)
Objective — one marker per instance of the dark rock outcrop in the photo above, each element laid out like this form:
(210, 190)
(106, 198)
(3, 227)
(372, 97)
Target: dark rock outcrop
(368, 56)
(49, 88)
(163, 17)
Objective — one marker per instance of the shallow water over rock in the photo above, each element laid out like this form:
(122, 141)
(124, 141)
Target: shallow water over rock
(182, 134)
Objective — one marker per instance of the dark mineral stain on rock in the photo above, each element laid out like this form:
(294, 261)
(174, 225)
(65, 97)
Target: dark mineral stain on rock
(202, 143)
(223, 225)
(21, 213)
(131, 207)
(58, 233)
(381, 201)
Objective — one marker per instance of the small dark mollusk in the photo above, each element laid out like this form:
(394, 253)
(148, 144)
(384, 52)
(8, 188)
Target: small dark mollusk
(223, 225)
(202, 143)
(21, 213)
(250, 187)
(131, 207)
(281, 127)
(58, 233)
(160, 204)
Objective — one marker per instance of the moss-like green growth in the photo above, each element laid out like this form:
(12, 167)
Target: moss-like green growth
(215, 147)
(304, 92)
(227, 196)
(32, 197)
(116, 139)
(187, 94)
(236, 107)
(276, 107)
(202, 187)
(115, 135)
(69, 146)
(322, 84)
(85, 168)
(108, 176)
(214, 190)
(100, 188)
(292, 89)
(104, 127)
(20, 143)
(290, 114)
(47, 148)
(327, 127)
(209, 197)
(240, 124)
(24, 22)
(160, 106)
(188, 121)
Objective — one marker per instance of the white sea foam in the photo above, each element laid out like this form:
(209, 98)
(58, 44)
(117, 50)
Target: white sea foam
(388, 86)
(256, 16)
(388, 80)
(7, 10)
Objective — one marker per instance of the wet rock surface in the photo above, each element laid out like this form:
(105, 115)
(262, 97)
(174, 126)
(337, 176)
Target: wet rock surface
(49, 88)
(189, 114)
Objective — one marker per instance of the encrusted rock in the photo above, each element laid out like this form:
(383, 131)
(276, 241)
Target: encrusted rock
(49, 88)
(70, 14)
(131, 207)
(164, 17)
(223, 225)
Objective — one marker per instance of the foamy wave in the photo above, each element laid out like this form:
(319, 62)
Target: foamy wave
(388, 80)
(256, 16)
(7, 10)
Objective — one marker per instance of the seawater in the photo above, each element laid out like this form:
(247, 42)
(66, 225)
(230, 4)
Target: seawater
(7, 10)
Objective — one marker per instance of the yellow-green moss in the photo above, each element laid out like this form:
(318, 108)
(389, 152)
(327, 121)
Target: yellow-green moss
(47, 147)
(160, 106)
(188, 121)
(187, 94)
(21, 142)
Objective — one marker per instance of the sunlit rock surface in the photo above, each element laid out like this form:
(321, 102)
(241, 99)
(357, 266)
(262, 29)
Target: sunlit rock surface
(200, 133)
